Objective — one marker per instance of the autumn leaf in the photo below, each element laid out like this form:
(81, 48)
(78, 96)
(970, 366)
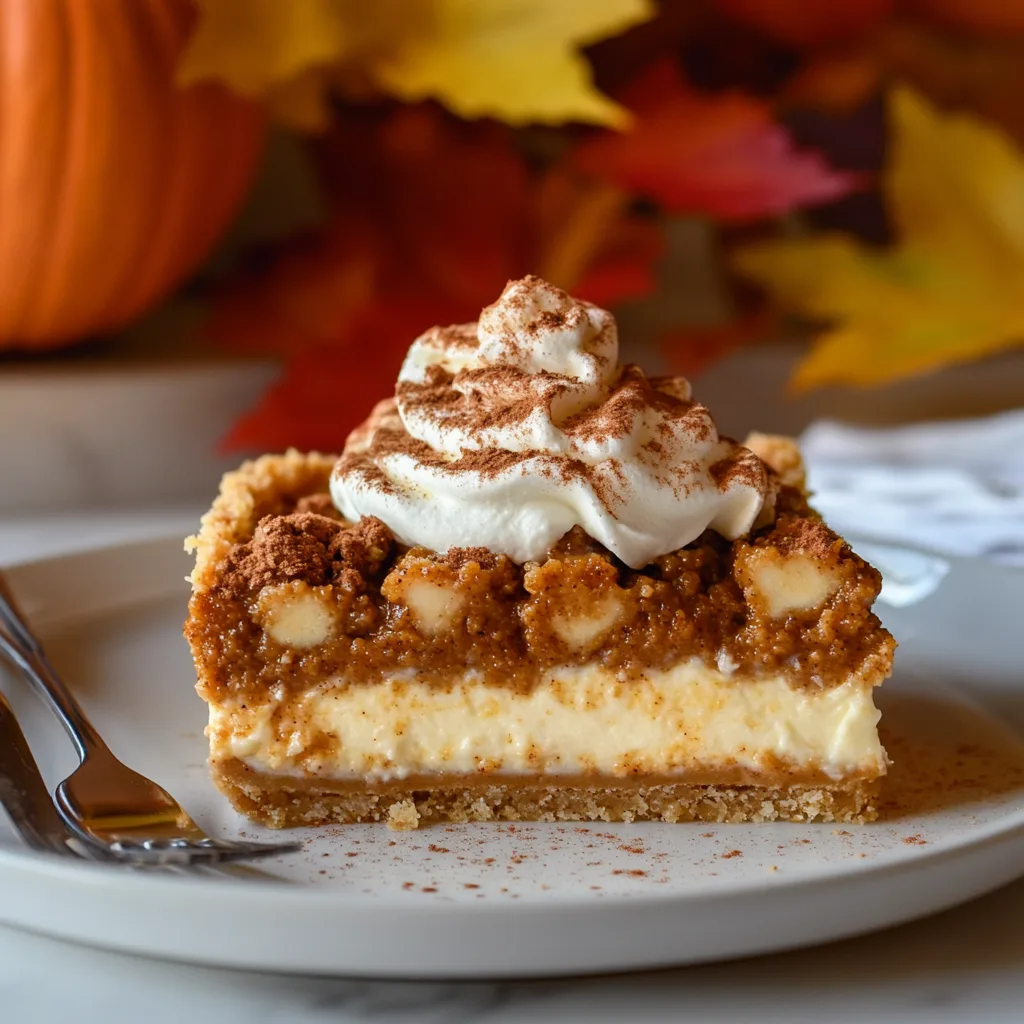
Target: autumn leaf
(311, 406)
(947, 291)
(985, 74)
(688, 351)
(982, 73)
(515, 60)
(983, 16)
(798, 23)
(415, 238)
(803, 24)
(721, 155)
(253, 45)
(430, 217)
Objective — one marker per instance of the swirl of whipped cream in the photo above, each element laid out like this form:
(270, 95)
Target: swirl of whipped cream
(507, 433)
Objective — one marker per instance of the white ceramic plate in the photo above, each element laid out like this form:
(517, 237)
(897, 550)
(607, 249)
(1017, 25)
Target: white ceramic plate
(503, 900)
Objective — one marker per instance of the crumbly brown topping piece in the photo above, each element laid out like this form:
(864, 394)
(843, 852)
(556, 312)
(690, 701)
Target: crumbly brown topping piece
(306, 546)
(322, 504)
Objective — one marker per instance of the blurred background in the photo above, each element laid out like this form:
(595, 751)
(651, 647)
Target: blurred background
(223, 222)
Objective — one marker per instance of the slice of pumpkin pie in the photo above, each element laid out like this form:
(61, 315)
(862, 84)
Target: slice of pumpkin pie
(536, 585)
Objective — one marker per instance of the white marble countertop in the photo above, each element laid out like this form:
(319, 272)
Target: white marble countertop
(964, 965)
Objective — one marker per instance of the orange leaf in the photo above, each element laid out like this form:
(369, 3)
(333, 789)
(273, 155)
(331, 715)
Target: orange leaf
(802, 24)
(983, 74)
(973, 15)
(720, 155)
(452, 198)
(835, 80)
(412, 221)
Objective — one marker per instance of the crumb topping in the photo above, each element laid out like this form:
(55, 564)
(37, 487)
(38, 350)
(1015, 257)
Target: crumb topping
(322, 504)
(306, 546)
(399, 609)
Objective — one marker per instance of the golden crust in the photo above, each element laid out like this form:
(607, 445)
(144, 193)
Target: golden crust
(284, 802)
(256, 489)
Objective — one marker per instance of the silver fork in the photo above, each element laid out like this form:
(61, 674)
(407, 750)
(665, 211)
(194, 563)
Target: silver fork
(103, 802)
(23, 793)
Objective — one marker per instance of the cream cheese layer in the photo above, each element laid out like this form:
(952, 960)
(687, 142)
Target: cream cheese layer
(577, 721)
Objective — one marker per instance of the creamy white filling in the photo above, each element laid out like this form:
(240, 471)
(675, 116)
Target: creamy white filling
(580, 720)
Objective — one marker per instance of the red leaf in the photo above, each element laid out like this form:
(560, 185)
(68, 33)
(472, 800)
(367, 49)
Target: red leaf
(307, 297)
(455, 198)
(691, 350)
(980, 16)
(416, 234)
(322, 394)
(720, 155)
(803, 24)
(626, 268)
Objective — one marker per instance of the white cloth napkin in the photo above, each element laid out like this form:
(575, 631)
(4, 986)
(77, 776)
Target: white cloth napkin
(950, 488)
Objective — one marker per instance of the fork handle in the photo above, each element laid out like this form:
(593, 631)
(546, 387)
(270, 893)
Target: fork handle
(23, 792)
(23, 649)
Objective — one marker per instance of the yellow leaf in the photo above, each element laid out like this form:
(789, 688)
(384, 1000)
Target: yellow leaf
(252, 45)
(516, 60)
(948, 291)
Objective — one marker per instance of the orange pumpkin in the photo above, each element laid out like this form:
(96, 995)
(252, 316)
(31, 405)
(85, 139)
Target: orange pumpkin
(114, 182)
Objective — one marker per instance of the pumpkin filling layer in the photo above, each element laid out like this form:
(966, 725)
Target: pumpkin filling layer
(330, 599)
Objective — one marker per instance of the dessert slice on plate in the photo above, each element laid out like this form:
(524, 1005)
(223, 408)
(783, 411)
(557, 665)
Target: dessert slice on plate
(537, 584)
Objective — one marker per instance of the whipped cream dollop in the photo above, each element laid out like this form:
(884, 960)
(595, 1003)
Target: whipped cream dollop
(507, 433)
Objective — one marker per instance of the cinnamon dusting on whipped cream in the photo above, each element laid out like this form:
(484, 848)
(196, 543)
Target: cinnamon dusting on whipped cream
(508, 433)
